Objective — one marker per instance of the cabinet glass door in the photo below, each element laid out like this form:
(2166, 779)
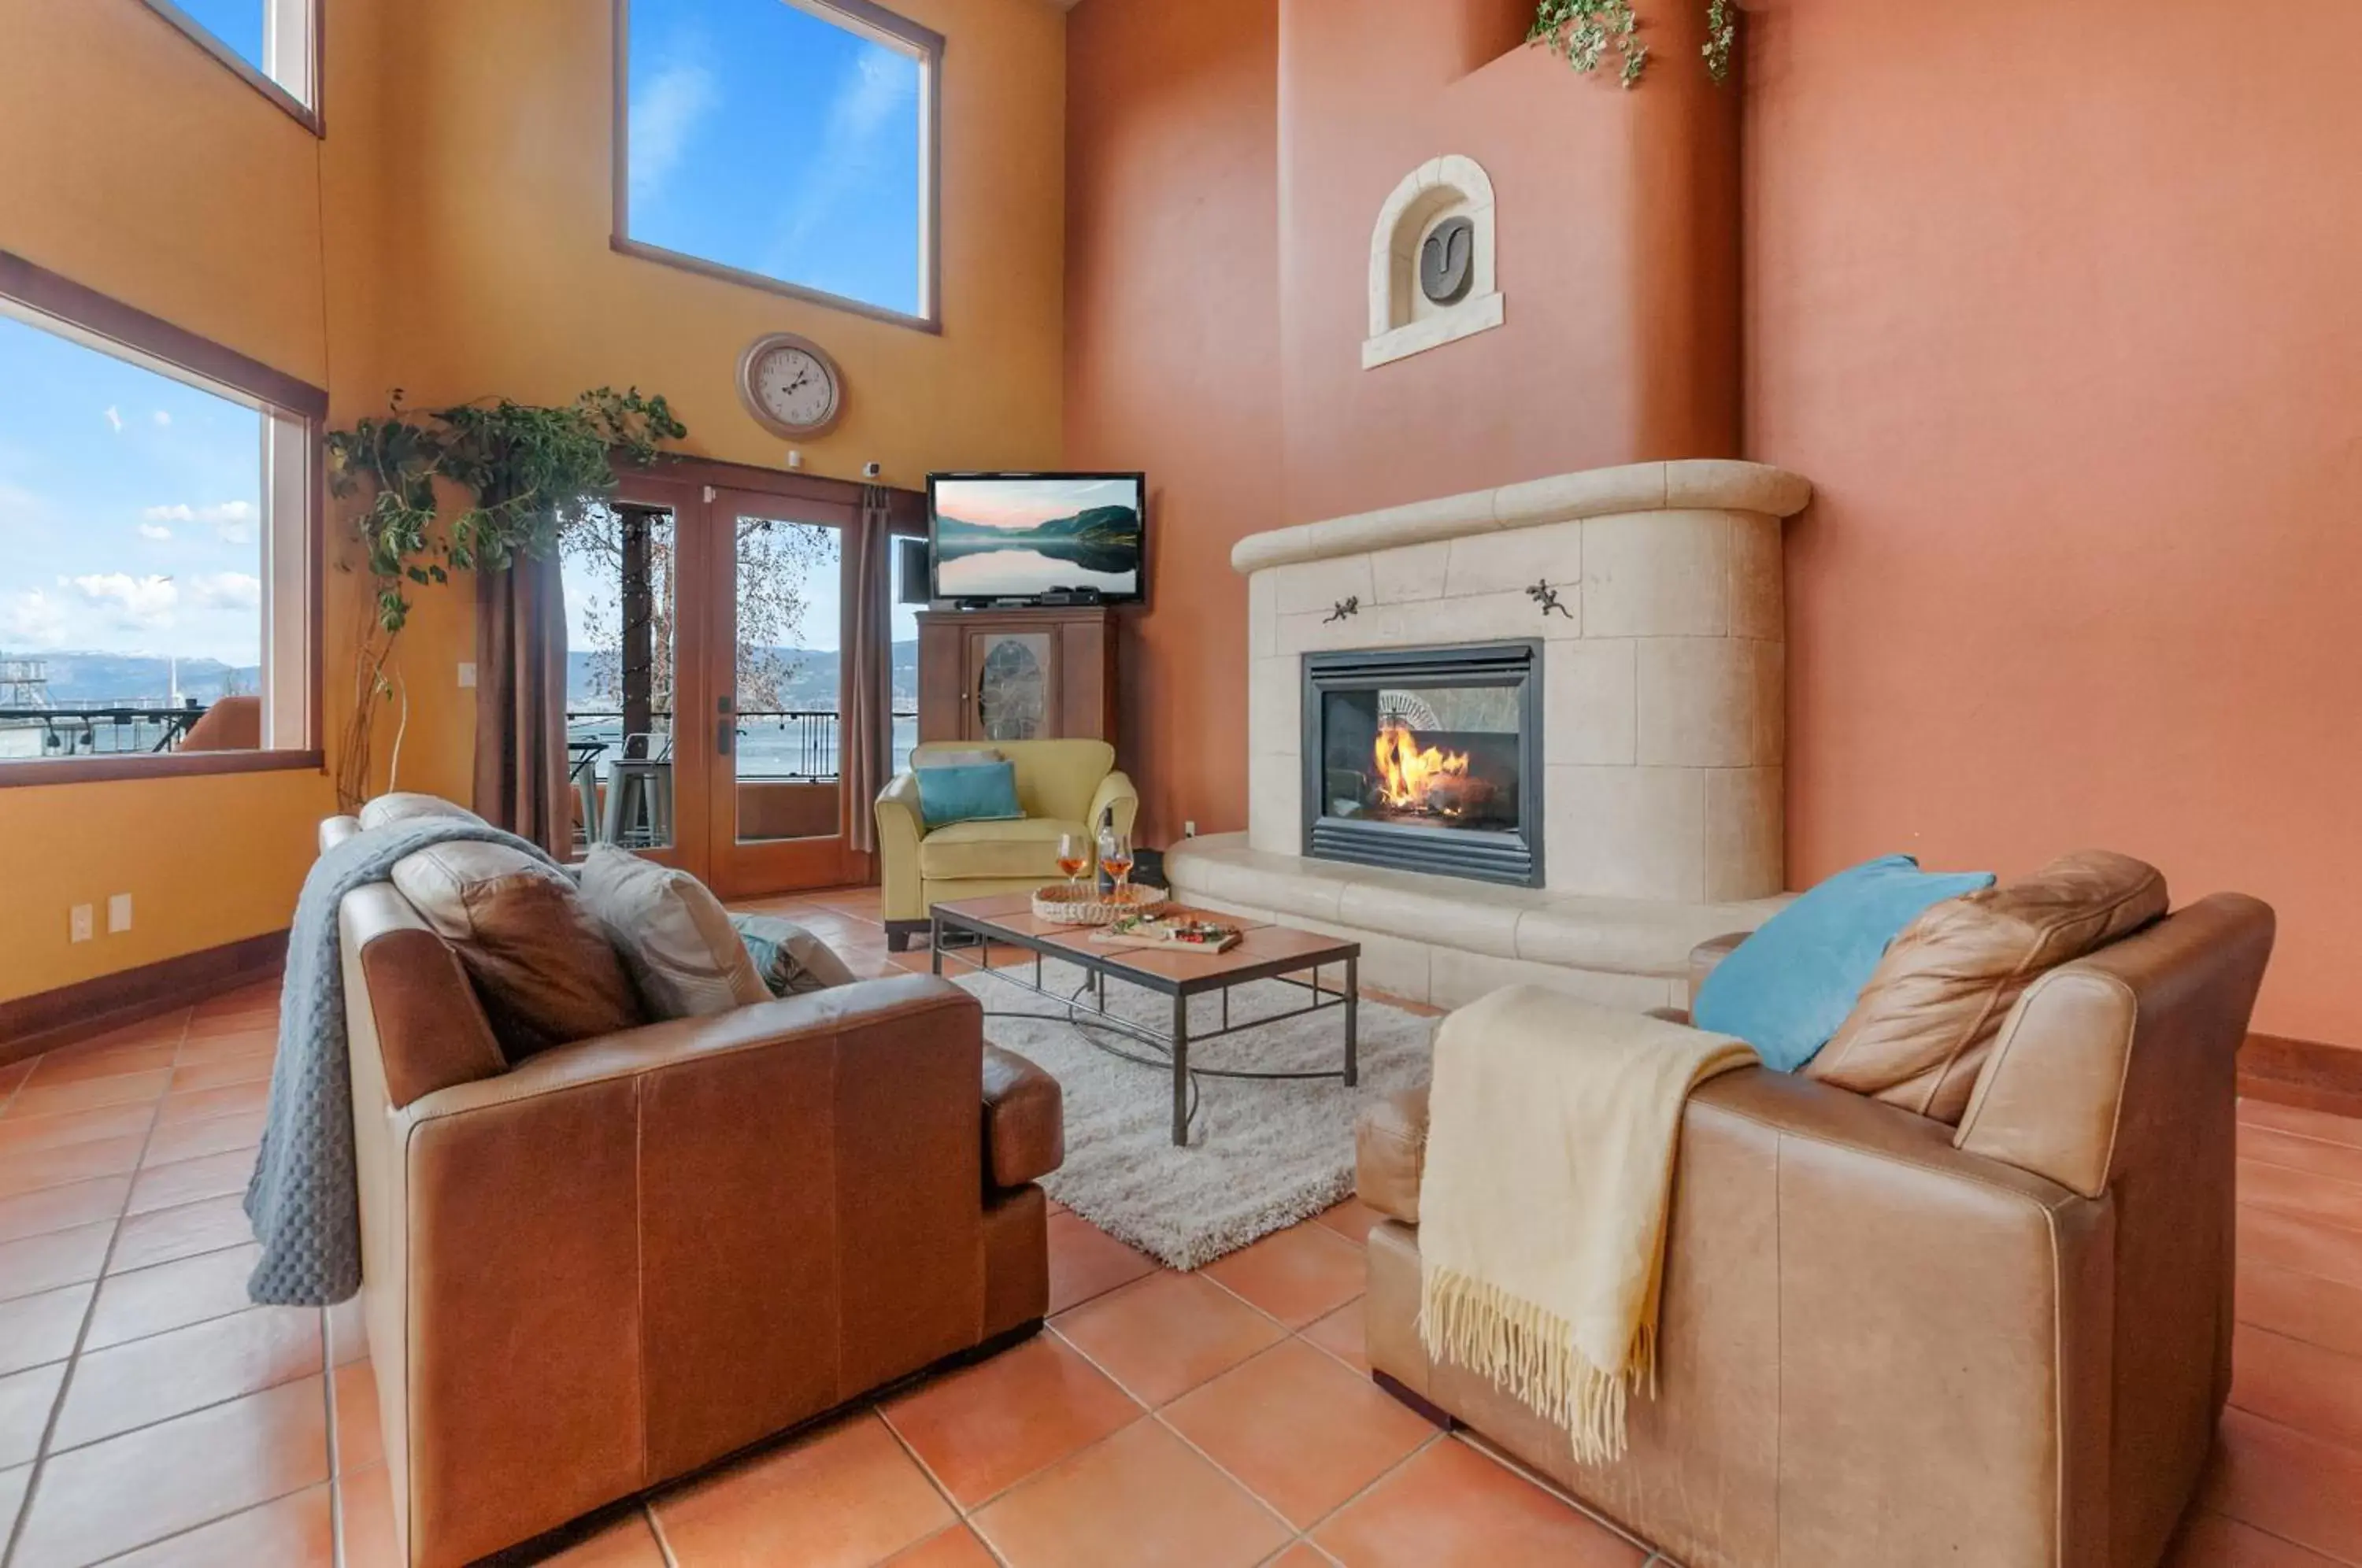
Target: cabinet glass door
(1011, 673)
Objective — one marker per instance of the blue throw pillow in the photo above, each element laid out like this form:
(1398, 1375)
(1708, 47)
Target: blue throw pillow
(1787, 989)
(972, 792)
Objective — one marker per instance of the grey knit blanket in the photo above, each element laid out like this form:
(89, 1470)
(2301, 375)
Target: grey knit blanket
(304, 1199)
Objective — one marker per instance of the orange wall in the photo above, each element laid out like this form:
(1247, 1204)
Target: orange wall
(1226, 163)
(2056, 306)
(142, 168)
(1173, 358)
(450, 237)
(505, 283)
(1617, 229)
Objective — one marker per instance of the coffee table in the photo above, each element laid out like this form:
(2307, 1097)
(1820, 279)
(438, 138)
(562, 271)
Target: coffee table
(1264, 953)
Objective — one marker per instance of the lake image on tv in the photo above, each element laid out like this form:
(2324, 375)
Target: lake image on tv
(1006, 538)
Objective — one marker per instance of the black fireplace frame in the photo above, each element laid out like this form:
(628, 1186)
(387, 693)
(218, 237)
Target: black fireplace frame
(1513, 859)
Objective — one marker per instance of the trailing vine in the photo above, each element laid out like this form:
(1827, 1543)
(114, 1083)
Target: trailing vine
(1721, 33)
(525, 472)
(1583, 31)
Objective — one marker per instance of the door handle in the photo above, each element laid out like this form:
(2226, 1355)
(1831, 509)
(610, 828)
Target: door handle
(725, 734)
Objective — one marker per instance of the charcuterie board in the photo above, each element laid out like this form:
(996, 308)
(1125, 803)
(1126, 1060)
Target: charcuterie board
(1168, 936)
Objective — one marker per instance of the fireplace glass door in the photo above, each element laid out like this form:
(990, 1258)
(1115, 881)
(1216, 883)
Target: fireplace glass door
(1426, 760)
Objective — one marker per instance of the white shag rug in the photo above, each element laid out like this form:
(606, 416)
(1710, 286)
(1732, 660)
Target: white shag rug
(1260, 1156)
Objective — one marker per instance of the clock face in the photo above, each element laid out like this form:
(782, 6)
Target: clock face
(795, 387)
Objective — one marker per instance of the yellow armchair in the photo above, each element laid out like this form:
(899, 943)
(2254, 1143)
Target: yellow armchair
(1064, 786)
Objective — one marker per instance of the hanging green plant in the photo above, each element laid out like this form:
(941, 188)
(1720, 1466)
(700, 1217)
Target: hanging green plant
(1583, 31)
(525, 473)
(1721, 33)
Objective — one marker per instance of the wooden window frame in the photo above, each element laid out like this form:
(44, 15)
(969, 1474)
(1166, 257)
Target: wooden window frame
(303, 108)
(278, 397)
(861, 16)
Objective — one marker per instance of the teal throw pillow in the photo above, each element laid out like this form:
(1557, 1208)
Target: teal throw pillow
(971, 792)
(1787, 989)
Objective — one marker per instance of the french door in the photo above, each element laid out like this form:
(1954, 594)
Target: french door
(707, 679)
(778, 592)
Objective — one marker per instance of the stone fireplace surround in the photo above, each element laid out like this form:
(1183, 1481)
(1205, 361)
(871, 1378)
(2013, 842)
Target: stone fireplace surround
(1665, 693)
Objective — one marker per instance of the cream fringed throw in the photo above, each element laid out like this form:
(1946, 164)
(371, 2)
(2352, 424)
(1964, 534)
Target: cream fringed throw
(1551, 1128)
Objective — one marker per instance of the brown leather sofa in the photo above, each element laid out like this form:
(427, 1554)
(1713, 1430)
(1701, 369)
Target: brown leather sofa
(1885, 1342)
(627, 1257)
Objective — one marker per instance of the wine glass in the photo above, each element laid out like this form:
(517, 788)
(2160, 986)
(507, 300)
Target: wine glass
(1073, 857)
(1115, 859)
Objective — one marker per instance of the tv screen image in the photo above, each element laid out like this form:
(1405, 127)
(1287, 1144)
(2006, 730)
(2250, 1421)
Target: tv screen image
(1023, 536)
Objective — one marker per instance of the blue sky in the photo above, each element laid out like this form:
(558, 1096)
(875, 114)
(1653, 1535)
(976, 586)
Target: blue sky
(131, 508)
(767, 139)
(237, 23)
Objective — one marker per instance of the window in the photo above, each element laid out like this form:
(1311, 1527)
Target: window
(784, 143)
(157, 571)
(274, 44)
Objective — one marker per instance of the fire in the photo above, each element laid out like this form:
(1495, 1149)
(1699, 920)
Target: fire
(1416, 778)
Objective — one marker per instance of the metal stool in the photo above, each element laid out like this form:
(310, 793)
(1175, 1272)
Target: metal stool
(639, 795)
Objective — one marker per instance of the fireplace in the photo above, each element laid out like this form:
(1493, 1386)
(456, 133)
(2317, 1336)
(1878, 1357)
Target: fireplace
(1427, 759)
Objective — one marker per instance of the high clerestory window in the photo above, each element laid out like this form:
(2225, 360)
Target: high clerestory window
(273, 44)
(158, 546)
(789, 144)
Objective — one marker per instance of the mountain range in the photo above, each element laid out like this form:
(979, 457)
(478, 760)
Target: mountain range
(815, 686)
(1097, 539)
(78, 678)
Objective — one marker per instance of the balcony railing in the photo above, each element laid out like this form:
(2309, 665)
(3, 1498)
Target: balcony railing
(115, 729)
(790, 744)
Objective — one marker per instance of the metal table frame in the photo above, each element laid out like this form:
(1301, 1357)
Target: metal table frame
(1099, 967)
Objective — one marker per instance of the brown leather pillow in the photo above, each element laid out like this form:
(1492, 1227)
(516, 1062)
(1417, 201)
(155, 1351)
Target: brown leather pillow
(543, 969)
(1919, 1033)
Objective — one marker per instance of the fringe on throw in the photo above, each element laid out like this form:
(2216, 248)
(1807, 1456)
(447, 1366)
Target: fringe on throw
(1531, 1352)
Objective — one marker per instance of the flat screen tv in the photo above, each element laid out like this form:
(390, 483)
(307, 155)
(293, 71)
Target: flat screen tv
(1037, 539)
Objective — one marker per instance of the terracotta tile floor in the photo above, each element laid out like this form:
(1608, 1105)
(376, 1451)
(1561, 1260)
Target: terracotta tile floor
(150, 1415)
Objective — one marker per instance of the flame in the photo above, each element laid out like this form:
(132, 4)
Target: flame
(1408, 773)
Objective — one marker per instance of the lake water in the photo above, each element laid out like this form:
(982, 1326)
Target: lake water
(994, 574)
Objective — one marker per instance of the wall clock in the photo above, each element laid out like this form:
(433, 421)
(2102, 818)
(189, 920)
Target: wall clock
(792, 386)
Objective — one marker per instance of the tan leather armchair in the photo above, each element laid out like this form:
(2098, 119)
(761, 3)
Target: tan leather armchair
(1885, 1342)
(627, 1257)
(1065, 786)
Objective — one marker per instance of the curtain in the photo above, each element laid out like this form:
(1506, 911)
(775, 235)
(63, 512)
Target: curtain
(869, 671)
(520, 776)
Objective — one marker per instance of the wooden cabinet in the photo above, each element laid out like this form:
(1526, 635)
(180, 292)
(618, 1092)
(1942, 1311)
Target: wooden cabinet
(994, 674)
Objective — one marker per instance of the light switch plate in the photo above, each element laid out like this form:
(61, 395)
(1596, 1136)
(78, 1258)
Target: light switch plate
(81, 922)
(118, 913)
(466, 676)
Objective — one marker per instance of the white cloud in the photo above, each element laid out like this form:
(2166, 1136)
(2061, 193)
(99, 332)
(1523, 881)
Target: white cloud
(155, 531)
(31, 620)
(135, 601)
(115, 420)
(225, 590)
(663, 116)
(162, 418)
(233, 520)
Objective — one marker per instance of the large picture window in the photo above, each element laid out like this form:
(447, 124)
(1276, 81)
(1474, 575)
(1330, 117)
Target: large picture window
(157, 556)
(274, 44)
(783, 143)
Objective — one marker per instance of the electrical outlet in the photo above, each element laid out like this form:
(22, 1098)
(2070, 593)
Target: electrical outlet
(81, 922)
(466, 676)
(118, 913)
(1189, 830)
